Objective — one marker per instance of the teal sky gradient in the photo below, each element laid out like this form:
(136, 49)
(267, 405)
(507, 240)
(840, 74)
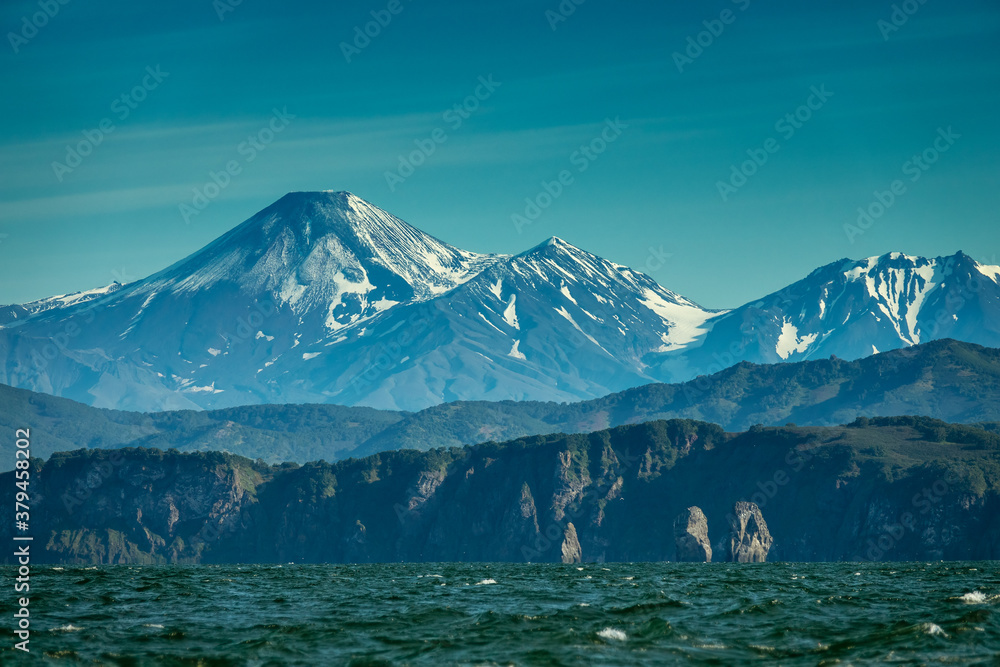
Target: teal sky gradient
(117, 215)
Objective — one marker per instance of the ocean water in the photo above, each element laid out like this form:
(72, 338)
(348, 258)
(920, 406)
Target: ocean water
(500, 614)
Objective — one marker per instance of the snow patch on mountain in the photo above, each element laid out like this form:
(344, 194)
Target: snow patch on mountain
(564, 290)
(562, 311)
(497, 289)
(790, 342)
(486, 319)
(991, 272)
(686, 323)
(931, 278)
(899, 284)
(510, 313)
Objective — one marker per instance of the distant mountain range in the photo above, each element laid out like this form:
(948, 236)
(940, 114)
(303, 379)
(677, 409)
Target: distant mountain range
(325, 298)
(957, 382)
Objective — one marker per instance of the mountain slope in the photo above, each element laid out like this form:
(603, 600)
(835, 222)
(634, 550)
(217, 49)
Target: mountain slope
(331, 252)
(553, 322)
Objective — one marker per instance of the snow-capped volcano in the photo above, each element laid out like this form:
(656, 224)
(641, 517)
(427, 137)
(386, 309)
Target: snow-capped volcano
(208, 329)
(325, 251)
(323, 297)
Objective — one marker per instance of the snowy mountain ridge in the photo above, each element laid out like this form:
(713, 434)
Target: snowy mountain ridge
(323, 297)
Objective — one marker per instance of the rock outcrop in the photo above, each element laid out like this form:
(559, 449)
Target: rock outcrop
(749, 539)
(571, 552)
(691, 537)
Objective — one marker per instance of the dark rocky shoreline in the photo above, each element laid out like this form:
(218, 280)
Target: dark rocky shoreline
(881, 489)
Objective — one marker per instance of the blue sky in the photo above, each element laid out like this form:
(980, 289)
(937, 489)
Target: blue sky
(653, 191)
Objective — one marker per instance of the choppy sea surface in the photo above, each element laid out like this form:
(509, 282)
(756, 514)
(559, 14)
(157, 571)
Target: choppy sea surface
(500, 614)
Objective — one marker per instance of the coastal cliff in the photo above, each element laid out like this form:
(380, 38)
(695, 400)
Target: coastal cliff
(880, 489)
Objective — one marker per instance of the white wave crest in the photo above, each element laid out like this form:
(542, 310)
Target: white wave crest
(975, 597)
(612, 633)
(69, 627)
(934, 629)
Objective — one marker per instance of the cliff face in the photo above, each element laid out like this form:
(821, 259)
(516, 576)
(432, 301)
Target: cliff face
(900, 489)
(140, 506)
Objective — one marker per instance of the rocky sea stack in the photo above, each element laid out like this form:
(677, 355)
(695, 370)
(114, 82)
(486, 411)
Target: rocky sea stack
(749, 539)
(691, 537)
(571, 552)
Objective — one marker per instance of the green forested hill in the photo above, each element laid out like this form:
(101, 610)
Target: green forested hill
(957, 382)
(274, 433)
